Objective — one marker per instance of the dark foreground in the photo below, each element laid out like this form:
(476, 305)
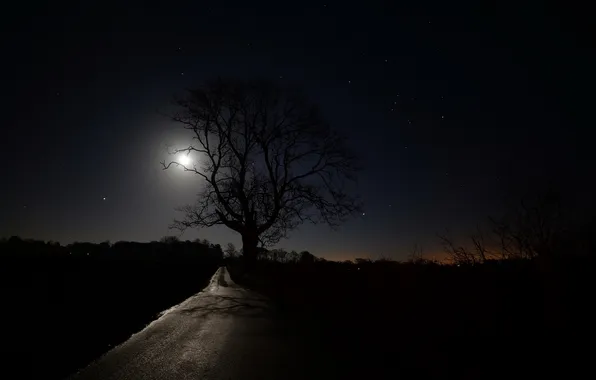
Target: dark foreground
(302, 320)
(223, 332)
(62, 307)
(311, 328)
(387, 320)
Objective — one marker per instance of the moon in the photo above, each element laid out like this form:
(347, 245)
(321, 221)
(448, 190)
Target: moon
(185, 159)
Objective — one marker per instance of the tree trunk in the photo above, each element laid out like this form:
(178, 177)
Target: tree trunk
(250, 241)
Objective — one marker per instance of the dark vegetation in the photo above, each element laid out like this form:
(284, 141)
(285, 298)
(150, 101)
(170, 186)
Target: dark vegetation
(513, 301)
(63, 306)
(425, 320)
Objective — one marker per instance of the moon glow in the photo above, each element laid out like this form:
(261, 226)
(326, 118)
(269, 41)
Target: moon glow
(184, 159)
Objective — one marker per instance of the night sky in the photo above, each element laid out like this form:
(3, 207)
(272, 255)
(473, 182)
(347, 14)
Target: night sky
(452, 107)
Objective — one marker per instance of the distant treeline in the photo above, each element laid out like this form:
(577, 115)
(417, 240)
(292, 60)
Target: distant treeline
(16, 247)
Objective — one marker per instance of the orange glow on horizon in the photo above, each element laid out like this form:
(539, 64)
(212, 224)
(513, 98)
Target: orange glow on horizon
(439, 256)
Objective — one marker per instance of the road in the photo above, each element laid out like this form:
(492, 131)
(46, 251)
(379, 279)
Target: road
(223, 332)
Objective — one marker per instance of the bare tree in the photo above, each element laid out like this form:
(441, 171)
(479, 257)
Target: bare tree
(479, 248)
(281, 255)
(537, 227)
(169, 240)
(269, 162)
(458, 254)
(231, 251)
(415, 256)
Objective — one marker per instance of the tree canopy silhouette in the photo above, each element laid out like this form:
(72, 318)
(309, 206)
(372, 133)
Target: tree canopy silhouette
(269, 161)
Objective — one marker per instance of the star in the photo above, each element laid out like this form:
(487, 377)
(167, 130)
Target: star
(281, 77)
(349, 82)
(385, 60)
(104, 198)
(181, 73)
(57, 94)
(363, 214)
(442, 116)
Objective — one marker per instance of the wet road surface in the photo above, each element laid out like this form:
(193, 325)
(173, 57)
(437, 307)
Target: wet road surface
(223, 332)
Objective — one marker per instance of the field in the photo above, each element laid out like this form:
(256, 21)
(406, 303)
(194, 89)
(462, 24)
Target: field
(381, 319)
